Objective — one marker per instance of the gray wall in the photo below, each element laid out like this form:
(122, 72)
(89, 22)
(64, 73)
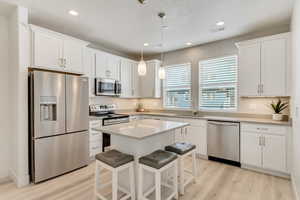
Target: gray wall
(296, 96)
(210, 50)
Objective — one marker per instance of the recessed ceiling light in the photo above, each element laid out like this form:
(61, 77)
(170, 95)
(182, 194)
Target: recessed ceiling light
(189, 43)
(73, 12)
(146, 44)
(220, 23)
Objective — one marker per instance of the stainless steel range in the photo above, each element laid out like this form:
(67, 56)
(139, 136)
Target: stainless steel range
(108, 116)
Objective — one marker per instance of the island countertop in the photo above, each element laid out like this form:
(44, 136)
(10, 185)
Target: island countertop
(141, 129)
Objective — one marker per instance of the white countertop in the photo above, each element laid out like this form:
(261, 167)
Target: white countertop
(141, 128)
(217, 118)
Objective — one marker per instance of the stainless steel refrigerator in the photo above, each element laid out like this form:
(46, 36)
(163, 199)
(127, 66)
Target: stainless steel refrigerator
(59, 124)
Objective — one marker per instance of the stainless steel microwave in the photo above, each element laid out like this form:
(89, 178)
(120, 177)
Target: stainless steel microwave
(107, 87)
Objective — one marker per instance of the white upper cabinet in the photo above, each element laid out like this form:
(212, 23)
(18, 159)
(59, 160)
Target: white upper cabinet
(56, 51)
(274, 67)
(264, 66)
(73, 54)
(126, 79)
(47, 50)
(100, 61)
(249, 70)
(113, 66)
(150, 83)
(107, 65)
(129, 79)
(135, 80)
(89, 69)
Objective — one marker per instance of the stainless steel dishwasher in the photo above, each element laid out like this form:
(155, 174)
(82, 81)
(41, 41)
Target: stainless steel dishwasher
(224, 142)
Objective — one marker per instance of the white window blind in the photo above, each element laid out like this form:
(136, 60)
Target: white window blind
(177, 86)
(218, 83)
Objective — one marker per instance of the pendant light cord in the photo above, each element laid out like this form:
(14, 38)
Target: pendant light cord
(162, 40)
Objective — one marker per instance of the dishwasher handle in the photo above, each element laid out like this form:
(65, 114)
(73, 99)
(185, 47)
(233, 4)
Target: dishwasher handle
(223, 123)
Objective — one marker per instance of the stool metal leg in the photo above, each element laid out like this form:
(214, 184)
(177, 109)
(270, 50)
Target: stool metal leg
(132, 184)
(157, 185)
(115, 185)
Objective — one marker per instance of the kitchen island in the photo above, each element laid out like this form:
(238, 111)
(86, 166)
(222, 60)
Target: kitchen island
(140, 138)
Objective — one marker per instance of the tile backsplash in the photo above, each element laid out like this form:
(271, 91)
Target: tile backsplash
(246, 105)
(124, 104)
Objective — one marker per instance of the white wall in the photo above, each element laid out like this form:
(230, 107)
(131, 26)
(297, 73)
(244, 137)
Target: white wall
(19, 61)
(212, 50)
(296, 96)
(5, 118)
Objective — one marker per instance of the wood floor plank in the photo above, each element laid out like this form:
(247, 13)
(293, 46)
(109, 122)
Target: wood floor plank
(215, 181)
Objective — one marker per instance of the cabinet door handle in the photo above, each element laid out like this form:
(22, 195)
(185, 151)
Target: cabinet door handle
(258, 90)
(65, 62)
(262, 88)
(263, 140)
(260, 142)
(108, 73)
(61, 62)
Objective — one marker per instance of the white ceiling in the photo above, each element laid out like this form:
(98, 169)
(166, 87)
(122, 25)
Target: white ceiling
(124, 25)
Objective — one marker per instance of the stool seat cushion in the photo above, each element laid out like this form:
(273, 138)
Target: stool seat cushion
(158, 159)
(180, 148)
(114, 158)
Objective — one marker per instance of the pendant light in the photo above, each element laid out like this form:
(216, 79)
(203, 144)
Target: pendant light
(142, 67)
(161, 71)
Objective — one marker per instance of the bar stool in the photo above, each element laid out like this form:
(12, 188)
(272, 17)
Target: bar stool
(115, 162)
(158, 162)
(183, 150)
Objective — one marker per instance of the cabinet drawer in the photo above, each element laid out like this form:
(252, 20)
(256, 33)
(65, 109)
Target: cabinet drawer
(95, 135)
(95, 123)
(196, 122)
(95, 152)
(263, 128)
(96, 146)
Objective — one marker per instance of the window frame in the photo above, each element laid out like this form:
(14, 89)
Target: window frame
(164, 91)
(233, 110)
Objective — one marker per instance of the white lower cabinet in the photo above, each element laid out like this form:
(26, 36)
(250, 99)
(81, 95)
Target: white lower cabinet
(251, 151)
(274, 152)
(95, 138)
(264, 146)
(195, 134)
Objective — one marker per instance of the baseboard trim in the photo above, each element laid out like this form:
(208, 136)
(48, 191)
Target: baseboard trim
(296, 195)
(19, 181)
(4, 180)
(264, 171)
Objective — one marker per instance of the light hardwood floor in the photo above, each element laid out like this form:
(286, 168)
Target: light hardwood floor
(215, 182)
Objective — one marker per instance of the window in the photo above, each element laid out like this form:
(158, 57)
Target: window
(177, 86)
(218, 84)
